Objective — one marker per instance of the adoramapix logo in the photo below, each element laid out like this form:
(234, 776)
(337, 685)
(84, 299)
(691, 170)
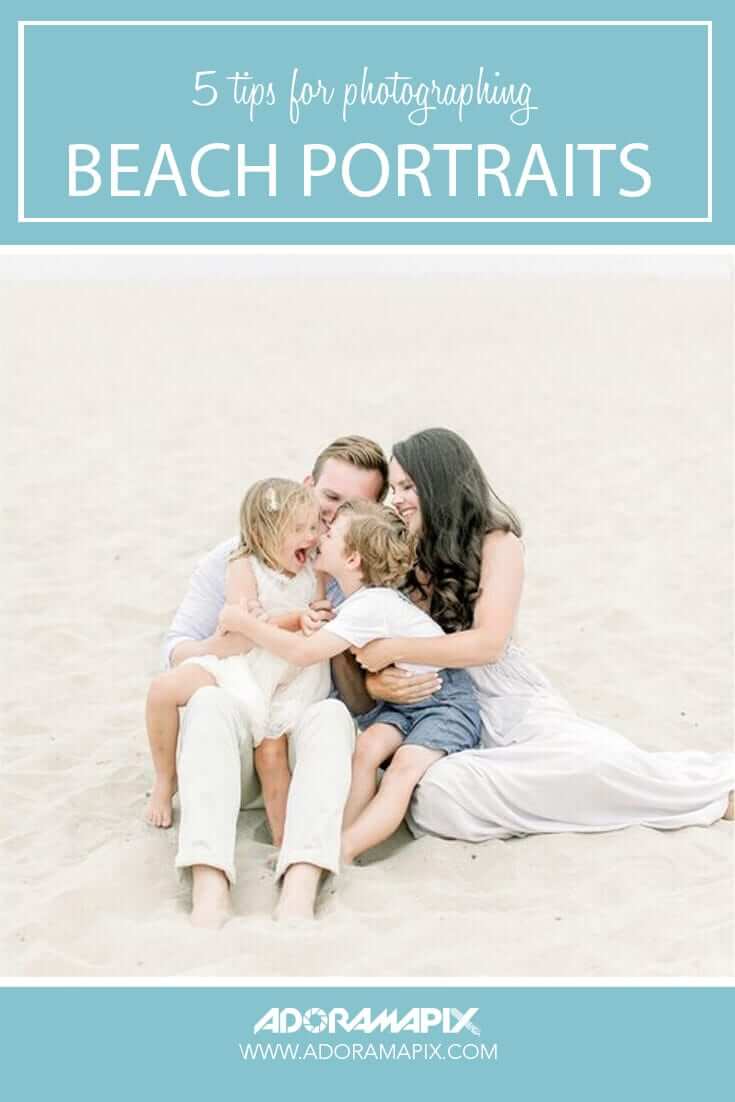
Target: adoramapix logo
(429, 1033)
(417, 1020)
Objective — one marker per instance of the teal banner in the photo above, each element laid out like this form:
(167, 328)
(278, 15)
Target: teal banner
(435, 1043)
(479, 128)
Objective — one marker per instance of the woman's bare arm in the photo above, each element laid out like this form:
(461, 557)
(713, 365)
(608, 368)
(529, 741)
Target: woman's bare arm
(501, 583)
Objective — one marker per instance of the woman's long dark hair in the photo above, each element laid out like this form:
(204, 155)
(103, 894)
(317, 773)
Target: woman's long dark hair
(459, 508)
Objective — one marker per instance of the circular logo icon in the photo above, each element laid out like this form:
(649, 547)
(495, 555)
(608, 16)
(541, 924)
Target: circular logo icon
(315, 1020)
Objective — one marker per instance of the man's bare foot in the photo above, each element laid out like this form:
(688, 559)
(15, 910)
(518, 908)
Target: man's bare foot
(730, 809)
(210, 897)
(298, 893)
(159, 812)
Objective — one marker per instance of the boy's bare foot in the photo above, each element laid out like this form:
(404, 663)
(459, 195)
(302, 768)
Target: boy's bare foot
(730, 809)
(210, 897)
(159, 812)
(298, 893)
(348, 855)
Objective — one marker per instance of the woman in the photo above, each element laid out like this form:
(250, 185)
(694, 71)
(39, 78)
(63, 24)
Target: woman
(548, 770)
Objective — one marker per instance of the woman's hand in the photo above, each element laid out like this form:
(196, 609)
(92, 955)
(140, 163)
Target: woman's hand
(400, 687)
(312, 618)
(377, 655)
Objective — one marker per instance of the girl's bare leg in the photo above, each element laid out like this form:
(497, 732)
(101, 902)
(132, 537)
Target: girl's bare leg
(384, 813)
(372, 748)
(168, 692)
(271, 765)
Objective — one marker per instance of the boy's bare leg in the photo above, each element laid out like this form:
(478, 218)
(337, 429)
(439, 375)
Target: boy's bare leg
(210, 897)
(730, 809)
(271, 765)
(299, 889)
(384, 814)
(168, 692)
(372, 748)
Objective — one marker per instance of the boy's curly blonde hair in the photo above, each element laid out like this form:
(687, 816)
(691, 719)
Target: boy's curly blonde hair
(267, 511)
(386, 548)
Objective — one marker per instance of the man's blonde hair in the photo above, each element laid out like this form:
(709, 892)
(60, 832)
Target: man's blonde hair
(267, 511)
(360, 452)
(386, 548)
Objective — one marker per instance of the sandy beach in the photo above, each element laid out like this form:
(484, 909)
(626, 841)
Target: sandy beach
(137, 410)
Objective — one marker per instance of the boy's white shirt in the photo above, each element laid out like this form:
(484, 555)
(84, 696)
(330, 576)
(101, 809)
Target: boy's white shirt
(375, 612)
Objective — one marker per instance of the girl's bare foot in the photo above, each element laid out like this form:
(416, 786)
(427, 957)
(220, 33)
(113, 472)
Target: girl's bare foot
(298, 893)
(730, 809)
(271, 765)
(210, 897)
(159, 812)
(277, 828)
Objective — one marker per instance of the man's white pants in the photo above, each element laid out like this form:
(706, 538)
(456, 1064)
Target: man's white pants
(217, 777)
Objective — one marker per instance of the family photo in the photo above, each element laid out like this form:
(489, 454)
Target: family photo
(377, 616)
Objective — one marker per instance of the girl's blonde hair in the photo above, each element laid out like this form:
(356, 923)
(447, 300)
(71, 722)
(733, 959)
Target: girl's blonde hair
(267, 511)
(386, 548)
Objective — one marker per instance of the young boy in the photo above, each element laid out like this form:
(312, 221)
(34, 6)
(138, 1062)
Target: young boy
(369, 551)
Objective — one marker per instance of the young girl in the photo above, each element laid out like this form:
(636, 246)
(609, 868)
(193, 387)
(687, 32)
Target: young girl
(270, 571)
(369, 551)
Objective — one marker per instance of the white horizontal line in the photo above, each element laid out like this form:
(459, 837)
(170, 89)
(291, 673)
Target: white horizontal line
(350, 249)
(363, 220)
(491, 983)
(365, 23)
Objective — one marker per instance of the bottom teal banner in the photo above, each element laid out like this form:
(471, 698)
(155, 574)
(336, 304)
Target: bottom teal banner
(503, 1043)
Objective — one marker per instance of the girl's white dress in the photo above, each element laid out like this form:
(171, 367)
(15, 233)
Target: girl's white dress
(274, 692)
(544, 769)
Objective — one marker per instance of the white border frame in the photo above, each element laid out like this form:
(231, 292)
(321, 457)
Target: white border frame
(22, 24)
(393, 982)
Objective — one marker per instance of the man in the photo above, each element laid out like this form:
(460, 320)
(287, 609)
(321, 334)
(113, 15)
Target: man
(216, 775)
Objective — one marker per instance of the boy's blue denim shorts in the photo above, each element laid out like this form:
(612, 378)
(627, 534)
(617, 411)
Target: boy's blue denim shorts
(448, 721)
